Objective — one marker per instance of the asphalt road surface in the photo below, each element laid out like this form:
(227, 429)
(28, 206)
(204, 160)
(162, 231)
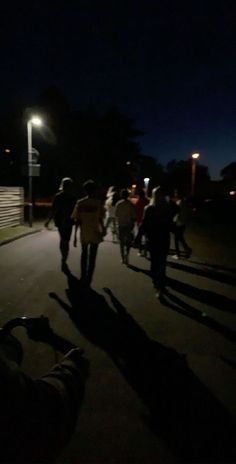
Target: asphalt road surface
(162, 373)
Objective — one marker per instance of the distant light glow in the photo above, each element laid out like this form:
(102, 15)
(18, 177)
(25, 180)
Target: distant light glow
(195, 155)
(7, 150)
(36, 121)
(232, 192)
(128, 162)
(134, 186)
(146, 179)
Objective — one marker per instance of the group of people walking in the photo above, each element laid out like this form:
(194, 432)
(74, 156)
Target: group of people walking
(154, 219)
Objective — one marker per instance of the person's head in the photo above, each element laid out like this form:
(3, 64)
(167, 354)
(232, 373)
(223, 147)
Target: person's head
(66, 184)
(90, 188)
(158, 196)
(124, 194)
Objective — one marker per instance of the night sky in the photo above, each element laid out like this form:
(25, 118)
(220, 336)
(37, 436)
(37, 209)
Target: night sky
(170, 67)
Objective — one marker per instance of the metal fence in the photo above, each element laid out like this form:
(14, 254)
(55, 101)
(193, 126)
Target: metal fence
(11, 206)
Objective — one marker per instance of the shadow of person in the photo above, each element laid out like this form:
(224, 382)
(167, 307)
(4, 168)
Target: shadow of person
(194, 424)
(139, 269)
(218, 267)
(209, 273)
(208, 297)
(177, 304)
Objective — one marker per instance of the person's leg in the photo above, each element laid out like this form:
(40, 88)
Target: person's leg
(183, 241)
(163, 253)
(65, 234)
(158, 264)
(93, 248)
(122, 243)
(161, 270)
(113, 228)
(84, 254)
(154, 263)
(108, 222)
(145, 247)
(177, 240)
(128, 243)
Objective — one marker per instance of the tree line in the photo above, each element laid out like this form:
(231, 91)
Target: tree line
(86, 144)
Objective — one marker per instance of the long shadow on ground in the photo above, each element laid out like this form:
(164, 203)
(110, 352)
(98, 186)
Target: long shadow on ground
(194, 424)
(205, 296)
(209, 273)
(177, 304)
(218, 267)
(210, 298)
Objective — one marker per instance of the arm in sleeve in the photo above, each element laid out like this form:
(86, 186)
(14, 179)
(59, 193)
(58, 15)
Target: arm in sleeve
(76, 214)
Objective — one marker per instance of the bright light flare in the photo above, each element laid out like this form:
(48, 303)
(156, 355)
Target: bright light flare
(36, 121)
(195, 155)
(232, 192)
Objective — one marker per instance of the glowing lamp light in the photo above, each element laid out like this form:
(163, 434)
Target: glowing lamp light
(134, 186)
(7, 150)
(232, 192)
(146, 181)
(195, 155)
(128, 162)
(36, 121)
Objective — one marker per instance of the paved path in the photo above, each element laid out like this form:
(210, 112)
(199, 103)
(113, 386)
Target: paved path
(144, 403)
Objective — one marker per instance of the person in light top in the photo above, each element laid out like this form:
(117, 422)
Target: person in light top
(89, 215)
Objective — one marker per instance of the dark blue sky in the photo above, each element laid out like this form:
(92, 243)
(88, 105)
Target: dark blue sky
(170, 67)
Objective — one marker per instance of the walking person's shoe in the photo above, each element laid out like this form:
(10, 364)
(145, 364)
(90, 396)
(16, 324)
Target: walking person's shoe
(159, 292)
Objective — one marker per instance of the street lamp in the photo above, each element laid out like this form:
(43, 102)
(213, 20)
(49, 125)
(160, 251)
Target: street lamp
(34, 121)
(146, 183)
(195, 156)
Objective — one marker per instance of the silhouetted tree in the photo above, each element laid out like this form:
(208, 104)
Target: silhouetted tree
(79, 144)
(228, 174)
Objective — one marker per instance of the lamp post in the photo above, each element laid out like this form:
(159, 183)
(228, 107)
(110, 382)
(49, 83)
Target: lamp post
(34, 121)
(146, 183)
(195, 156)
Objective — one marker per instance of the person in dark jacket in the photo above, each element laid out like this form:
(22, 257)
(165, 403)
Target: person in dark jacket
(38, 416)
(156, 225)
(63, 205)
